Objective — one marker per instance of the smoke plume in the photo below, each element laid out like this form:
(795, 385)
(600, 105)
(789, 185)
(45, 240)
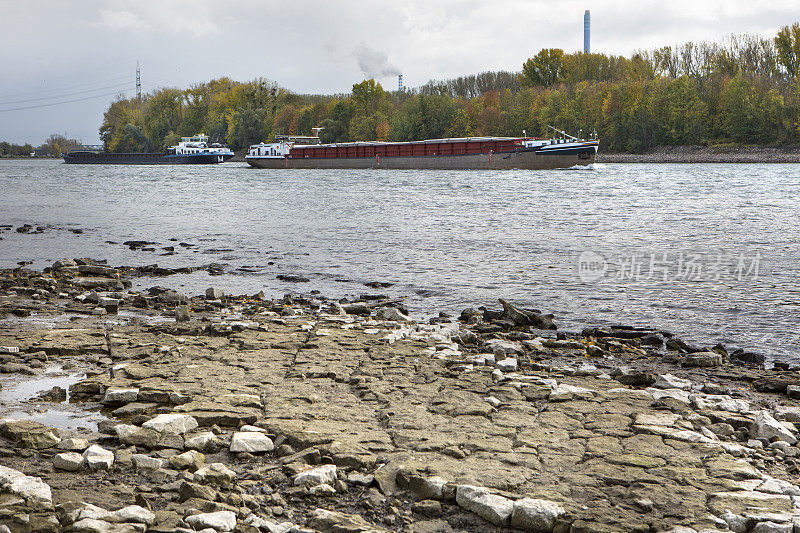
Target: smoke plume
(374, 63)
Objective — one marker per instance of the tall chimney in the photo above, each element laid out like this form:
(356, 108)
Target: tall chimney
(586, 26)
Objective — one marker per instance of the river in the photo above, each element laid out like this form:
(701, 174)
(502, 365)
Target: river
(710, 252)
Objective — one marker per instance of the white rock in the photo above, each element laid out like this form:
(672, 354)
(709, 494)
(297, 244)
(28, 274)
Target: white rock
(9, 349)
(94, 525)
(668, 381)
(73, 444)
(535, 515)
(322, 489)
(218, 521)
(491, 400)
(91, 512)
(215, 473)
(534, 344)
(772, 527)
(509, 364)
(251, 442)
(204, 442)
(569, 392)
(778, 486)
(587, 369)
(430, 488)
(736, 523)
(266, 525)
(98, 458)
(499, 346)
(317, 476)
(31, 488)
(684, 435)
(145, 462)
(253, 428)
(120, 395)
(171, 423)
(677, 394)
(788, 413)
(491, 507)
(69, 461)
(132, 514)
(767, 427)
(657, 418)
(390, 313)
(720, 402)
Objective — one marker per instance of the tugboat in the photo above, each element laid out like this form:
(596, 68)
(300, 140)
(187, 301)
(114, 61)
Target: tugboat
(191, 150)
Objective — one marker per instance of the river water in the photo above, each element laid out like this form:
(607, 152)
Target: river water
(709, 252)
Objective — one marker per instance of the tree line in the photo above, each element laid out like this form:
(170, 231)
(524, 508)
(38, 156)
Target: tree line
(54, 146)
(743, 90)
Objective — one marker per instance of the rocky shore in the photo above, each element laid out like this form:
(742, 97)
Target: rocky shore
(241, 413)
(708, 154)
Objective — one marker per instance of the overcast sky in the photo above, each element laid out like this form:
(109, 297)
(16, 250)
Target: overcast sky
(87, 50)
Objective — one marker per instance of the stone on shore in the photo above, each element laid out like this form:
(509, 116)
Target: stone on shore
(132, 514)
(182, 313)
(205, 442)
(702, 359)
(68, 461)
(765, 426)
(218, 521)
(118, 395)
(391, 314)
(535, 515)
(137, 436)
(172, 423)
(326, 521)
(317, 476)
(668, 381)
(213, 293)
(98, 458)
(427, 488)
(32, 489)
(251, 442)
(215, 474)
(145, 462)
(491, 507)
(191, 460)
(29, 434)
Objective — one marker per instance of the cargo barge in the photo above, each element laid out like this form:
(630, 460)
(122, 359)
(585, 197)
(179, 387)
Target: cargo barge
(489, 153)
(190, 151)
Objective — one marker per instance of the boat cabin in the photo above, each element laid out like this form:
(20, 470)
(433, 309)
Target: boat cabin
(196, 144)
(277, 150)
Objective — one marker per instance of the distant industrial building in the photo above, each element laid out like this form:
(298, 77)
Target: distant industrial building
(586, 30)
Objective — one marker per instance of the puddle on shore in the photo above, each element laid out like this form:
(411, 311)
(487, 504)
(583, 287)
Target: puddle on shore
(44, 320)
(132, 316)
(18, 400)
(60, 418)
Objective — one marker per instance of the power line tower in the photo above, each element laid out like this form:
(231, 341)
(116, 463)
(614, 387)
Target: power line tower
(138, 82)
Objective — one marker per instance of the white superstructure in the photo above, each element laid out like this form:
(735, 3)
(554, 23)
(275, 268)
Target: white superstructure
(275, 150)
(198, 144)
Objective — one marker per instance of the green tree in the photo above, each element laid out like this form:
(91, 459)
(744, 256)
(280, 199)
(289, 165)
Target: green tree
(787, 43)
(248, 126)
(545, 68)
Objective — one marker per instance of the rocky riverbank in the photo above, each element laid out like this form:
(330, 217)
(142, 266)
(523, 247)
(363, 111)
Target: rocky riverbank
(240, 413)
(708, 154)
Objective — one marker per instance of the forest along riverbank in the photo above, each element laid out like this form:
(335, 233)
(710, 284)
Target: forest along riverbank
(306, 414)
(708, 154)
